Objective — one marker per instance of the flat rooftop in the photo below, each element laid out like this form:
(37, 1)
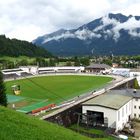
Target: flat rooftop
(127, 92)
(113, 101)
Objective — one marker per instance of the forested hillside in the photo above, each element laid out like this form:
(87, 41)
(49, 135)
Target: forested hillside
(14, 47)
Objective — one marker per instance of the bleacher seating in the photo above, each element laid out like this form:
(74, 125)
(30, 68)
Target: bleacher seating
(45, 71)
(67, 70)
(14, 73)
(33, 70)
(10, 76)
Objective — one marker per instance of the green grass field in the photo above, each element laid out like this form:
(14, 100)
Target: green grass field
(17, 126)
(56, 89)
(93, 131)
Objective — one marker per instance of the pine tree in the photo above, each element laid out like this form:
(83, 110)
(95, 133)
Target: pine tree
(3, 98)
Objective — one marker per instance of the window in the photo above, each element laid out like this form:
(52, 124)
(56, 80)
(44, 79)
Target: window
(118, 115)
(122, 112)
(139, 107)
(136, 99)
(135, 115)
(135, 106)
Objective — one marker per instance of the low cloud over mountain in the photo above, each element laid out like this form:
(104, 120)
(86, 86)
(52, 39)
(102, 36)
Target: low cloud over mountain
(115, 33)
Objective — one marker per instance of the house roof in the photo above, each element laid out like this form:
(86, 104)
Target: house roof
(127, 92)
(113, 101)
(98, 66)
(134, 70)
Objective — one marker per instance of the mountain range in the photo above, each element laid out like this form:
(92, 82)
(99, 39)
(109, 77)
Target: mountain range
(111, 34)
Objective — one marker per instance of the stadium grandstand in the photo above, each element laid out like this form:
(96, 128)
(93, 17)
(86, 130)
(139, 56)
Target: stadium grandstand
(14, 73)
(34, 70)
(60, 69)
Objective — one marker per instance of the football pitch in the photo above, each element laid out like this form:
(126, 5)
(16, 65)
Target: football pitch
(54, 89)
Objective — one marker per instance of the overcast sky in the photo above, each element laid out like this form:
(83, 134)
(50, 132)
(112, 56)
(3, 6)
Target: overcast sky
(28, 19)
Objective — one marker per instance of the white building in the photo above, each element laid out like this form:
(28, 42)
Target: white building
(113, 109)
(70, 69)
(135, 94)
(30, 69)
(110, 110)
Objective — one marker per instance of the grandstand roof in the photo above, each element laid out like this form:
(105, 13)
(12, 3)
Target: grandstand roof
(98, 66)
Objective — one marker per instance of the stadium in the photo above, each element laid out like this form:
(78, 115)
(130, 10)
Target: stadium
(30, 91)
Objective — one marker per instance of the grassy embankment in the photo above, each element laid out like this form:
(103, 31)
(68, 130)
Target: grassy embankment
(17, 126)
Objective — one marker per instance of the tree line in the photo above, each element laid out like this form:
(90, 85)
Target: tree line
(43, 62)
(15, 48)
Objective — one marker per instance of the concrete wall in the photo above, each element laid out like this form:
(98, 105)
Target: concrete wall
(123, 115)
(129, 84)
(136, 108)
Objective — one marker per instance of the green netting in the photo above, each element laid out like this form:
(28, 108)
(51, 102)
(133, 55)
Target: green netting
(14, 98)
(33, 106)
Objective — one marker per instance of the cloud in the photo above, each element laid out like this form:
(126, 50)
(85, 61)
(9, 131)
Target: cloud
(129, 25)
(25, 32)
(62, 36)
(106, 21)
(134, 33)
(86, 34)
(80, 34)
(28, 20)
(132, 23)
